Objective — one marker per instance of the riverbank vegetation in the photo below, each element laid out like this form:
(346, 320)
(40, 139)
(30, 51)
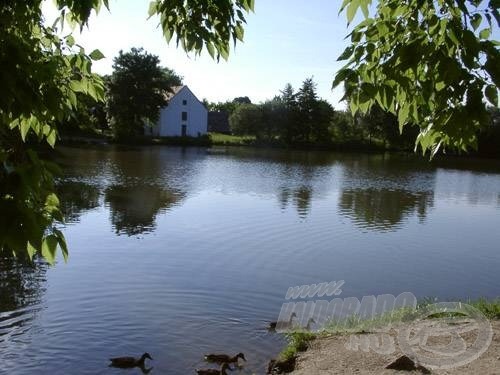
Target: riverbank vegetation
(299, 340)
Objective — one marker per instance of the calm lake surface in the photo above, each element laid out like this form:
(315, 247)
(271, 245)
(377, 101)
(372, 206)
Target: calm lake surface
(180, 252)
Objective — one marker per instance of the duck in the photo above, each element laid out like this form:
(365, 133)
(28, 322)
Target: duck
(221, 358)
(129, 362)
(212, 371)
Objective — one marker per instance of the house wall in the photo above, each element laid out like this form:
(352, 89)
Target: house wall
(170, 123)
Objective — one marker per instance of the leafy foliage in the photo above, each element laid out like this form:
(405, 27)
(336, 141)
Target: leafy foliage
(246, 119)
(44, 80)
(136, 91)
(200, 23)
(430, 63)
(42, 74)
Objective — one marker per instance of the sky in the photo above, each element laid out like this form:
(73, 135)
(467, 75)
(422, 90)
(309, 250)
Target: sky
(285, 41)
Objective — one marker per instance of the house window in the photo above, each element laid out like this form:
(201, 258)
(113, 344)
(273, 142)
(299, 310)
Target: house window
(184, 116)
(184, 130)
(184, 102)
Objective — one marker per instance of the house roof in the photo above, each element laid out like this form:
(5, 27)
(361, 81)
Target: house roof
(173, 92)
(176, 89)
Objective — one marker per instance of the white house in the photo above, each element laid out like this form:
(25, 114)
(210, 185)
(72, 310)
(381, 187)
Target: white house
(184, 115)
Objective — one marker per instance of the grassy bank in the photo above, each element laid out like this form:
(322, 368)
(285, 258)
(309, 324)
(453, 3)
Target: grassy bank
(298, 341)
(220, 139)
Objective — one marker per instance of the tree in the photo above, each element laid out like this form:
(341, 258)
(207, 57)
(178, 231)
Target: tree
(42, 73)
(137, 90)
(313, 115)
(242, 100)
(247, 119)
(430, 63)
(288, 125)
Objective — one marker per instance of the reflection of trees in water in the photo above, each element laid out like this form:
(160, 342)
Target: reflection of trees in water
(380, 191)
(134, 207)
(384, 210)
(76, 198)
(300, 197)
(21, 288)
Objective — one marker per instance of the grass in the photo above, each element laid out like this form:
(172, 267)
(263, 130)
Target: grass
(298, 340)
(230, 140)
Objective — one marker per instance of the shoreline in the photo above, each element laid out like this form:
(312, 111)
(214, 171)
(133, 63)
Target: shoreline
(207, 141)
(333, 356)
(368, 347)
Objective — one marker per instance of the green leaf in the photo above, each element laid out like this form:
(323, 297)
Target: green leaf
(52, 200)
(24, 127)
(70, 41)
(62, 244)
(49, 248)
(52, 137)
(210, 49)
(239, 32)
(403, 114)
(31, 250)
(492, 94)
(346, 54)
(440, 85)
(351, 10)
(153, 8)
(485, 33)
(96, 55)
(476, 20)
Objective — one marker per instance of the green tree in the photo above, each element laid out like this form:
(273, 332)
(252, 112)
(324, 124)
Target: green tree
(274, 116)
(431, 63)
(42, 73)
(287, 128)
(247, 120)
(136, 92)
(313, 115)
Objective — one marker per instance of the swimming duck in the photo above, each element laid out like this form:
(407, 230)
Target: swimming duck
(221, 358)
(211, 371)
(129, 362)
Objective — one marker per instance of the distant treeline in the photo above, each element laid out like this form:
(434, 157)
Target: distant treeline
(301, 119)
(135, 92)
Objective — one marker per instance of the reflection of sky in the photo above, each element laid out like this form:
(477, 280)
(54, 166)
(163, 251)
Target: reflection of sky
(208, 271)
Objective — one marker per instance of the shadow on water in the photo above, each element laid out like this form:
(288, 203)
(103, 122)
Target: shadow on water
(22, 287)
(76, 198)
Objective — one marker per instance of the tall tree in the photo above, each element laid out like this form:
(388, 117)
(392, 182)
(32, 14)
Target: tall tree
(41, 75)
(137, 90)
(314, 116)
(287, 127)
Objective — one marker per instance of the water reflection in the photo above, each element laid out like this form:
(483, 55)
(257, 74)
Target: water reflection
(300, 197)
(384, 210)
(134, 209)
(22, 287)
(77, 197)
(379, 192)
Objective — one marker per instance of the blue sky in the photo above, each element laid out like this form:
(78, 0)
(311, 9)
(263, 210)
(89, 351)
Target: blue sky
(285, 41)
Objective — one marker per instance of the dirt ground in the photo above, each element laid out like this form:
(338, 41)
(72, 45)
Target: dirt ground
(345, 355)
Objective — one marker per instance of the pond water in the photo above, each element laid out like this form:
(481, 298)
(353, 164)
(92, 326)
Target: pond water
(181, 252)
